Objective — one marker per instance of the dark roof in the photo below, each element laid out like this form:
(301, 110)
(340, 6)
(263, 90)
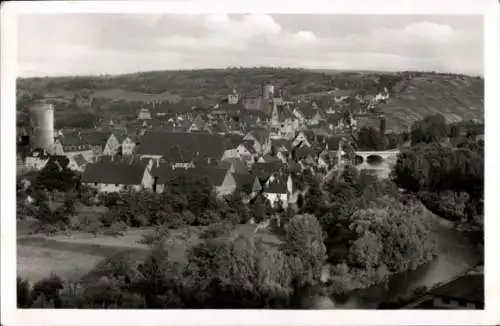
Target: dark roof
(293, 166)
(165, 174)
(304, 152)
(239, 166)
(467, 287)
(179, 155)
(244, 178)
(306, 110)
(260, 134)
(233, 140)
(225, 106)
(265, 170)
(62, 160)
(277, 143)
(201, 144)
(80, 160)
(72, 139)
(249, 146)
(276, 187)
(284, 113)
(114, 173)
(96, 138)
(270, 159)
(220, 126)
(333, 142)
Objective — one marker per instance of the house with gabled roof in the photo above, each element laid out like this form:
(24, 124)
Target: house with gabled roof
(235, 165)
(304, 138)
(278, 190)
(283, 123)
(198, 124)
(158, 145)
(118, 176)
(128, 145)
(72, 144)
(77, 163)
(309, 114)
(102, 142)
(222, 180)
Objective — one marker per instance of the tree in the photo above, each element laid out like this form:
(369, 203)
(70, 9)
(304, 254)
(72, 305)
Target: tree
(24, 298)
(370, 138)
(430, 129)
(52, 178)
(49, 289)
(304, 240)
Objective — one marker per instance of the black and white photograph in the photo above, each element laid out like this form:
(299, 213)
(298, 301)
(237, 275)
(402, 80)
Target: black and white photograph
(273, 161)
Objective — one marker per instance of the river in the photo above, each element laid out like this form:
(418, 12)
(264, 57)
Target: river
(455, 256)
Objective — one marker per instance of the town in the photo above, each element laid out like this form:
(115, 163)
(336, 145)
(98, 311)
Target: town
(267, 171)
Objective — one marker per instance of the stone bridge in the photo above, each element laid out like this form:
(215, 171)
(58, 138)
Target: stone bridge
(377, 157)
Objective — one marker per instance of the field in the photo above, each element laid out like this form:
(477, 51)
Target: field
(456, 97)
(118, 94)
(73, 256)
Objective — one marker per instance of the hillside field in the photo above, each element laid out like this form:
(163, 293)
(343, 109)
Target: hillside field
(413, 94)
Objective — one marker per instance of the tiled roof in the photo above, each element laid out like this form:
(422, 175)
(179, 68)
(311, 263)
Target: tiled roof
(225, 106)
(277, 143)
(161, 143)
(243, 180)
(239, 166)
(305, 152)
(276, 187)
(333, 142)
(293, 166)
(284, 113)
(265, 170)
(249, 146)
(96, 138)
(260, 134)
(114, 173)
(72, 139)
(80, 160)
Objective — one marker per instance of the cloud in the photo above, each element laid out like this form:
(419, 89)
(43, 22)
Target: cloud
(120, 43)
(305, 36)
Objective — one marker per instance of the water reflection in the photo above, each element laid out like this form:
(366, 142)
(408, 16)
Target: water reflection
(455, 256)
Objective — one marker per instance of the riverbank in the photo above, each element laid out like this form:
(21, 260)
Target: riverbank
(455, 256)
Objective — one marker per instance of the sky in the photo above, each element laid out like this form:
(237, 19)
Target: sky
(89, 44)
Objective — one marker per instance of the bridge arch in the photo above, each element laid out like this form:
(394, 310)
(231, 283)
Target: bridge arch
(374, 159)
(358, 159)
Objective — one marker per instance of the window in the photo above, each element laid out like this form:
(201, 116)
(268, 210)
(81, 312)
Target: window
(95, 183)
(116, 184)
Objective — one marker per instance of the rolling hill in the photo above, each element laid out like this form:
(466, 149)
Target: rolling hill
(456, 97)
(413, 94)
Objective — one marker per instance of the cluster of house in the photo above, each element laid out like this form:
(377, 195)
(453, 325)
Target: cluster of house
(252, 164)
(257, 146)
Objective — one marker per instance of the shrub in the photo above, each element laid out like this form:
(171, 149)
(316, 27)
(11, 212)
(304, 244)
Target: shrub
(448, 204)
(154, 237)
(116, 229)
(221, 229)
